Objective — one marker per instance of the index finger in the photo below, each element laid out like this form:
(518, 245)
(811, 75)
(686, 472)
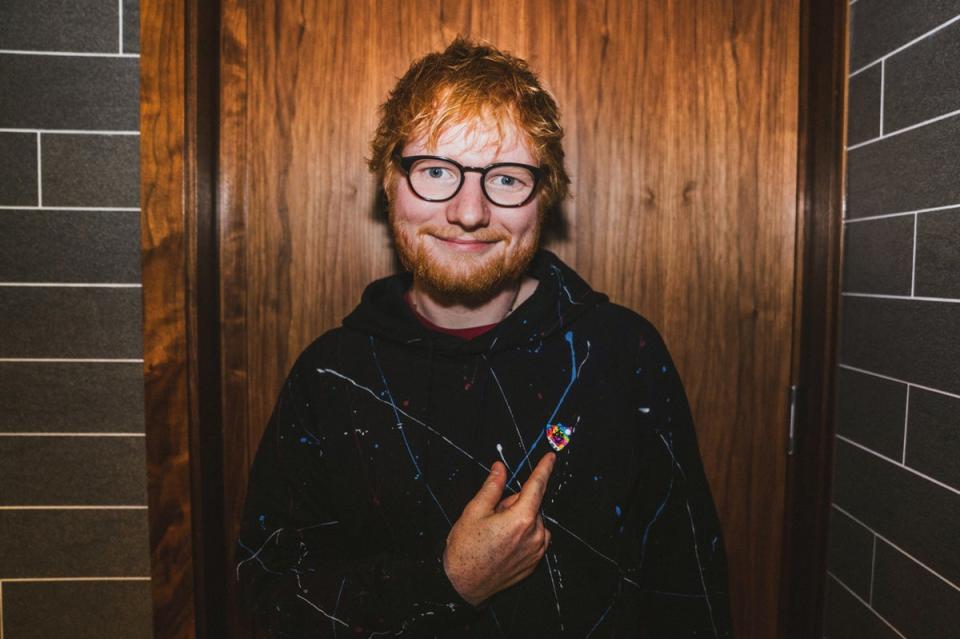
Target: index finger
(531, 494)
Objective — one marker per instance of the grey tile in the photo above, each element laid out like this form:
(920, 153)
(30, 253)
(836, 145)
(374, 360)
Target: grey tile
(850, 553)
(922, 82)
(846, 617)
(910, 340)
(71, 397)
(871, 411)
(18, 169)
(70, 246)
(905, 172)
(878, 256)
(933, 436)
(91, 170)
(55, 322)
(69, 92)
(914, 600)
(863, 106)
(55, 470)
(54, 25)
(131, 26)
(77, 609)
(74, 543)
(938, 254)
(877, 27)
(914, 513)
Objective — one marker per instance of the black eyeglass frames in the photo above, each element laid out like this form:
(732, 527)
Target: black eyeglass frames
(438, 179)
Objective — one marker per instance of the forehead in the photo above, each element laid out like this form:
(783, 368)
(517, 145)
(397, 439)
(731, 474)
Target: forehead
(473, 136)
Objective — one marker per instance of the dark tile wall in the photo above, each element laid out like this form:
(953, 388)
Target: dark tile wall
(894, 549)
(74, 548)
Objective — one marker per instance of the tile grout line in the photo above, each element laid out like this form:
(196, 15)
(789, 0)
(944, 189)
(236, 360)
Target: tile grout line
(46, 579)
(56, 434)
(39, 173)
(890, 54)
(906, 129)
(914, 471)
(883, 73)
(73, 131)
(883, 216)
(906, 420)
(894, 379)
(897, 548)
(69, 54)
(12, 207)
(64, 507)
(68, 360)
(69, 285)
(873, 568)
(913, 267)
(905, 298)
(869, 607)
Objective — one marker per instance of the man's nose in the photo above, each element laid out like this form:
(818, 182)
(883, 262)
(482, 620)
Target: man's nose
(470, 208)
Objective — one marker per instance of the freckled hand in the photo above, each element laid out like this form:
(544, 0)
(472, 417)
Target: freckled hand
(498, 542)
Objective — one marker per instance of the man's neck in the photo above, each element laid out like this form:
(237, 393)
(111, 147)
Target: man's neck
(451, 314)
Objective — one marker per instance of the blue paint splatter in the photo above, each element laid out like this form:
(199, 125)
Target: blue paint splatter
(568, 337)
(413, 458)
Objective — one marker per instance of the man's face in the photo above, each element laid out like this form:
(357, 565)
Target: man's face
(467, 248)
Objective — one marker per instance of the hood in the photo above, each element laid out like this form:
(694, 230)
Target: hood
(560, 298)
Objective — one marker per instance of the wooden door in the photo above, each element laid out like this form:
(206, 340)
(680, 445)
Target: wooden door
(681, 120)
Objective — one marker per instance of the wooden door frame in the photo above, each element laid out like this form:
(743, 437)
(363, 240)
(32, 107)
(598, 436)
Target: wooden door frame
(192, 220)
(820, 185)
(179, 116)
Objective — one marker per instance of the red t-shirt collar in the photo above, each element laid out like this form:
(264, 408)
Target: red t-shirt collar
(463, 333)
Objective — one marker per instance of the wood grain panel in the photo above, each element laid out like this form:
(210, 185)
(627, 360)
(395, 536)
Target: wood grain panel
(682, 126)
(166, 366)
(687, 161)
(238, 445)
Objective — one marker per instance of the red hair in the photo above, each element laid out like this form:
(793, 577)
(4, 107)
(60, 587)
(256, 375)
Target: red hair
(469, 81)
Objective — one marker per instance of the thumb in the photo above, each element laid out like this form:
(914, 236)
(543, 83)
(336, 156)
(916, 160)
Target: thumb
(492, 490)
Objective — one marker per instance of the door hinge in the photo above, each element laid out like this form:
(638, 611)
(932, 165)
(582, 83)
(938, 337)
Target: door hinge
(792, 426)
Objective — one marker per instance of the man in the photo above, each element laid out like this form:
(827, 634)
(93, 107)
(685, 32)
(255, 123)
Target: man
(486, 447)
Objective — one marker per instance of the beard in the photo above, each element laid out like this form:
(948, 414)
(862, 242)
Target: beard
(467, 278)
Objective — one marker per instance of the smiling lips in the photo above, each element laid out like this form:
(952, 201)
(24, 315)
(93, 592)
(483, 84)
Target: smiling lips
(466, 244)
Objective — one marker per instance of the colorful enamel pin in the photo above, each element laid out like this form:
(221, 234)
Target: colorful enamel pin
(559, 436)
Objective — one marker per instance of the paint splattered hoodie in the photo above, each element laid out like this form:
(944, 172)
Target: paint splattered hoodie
(384, 430)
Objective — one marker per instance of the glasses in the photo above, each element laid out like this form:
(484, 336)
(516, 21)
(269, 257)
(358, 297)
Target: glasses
(437, 179)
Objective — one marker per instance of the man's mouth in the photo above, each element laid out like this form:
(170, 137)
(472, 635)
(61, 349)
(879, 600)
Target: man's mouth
(465, 243)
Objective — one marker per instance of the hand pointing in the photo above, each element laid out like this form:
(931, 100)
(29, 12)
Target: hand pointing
(498, 542)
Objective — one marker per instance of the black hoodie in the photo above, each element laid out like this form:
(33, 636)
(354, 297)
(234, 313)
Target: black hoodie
(384, 430)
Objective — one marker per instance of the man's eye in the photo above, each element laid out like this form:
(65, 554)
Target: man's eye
(437, 172)
(507, 181)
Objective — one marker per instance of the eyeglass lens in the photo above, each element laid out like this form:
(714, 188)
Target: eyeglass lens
(436, 179)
